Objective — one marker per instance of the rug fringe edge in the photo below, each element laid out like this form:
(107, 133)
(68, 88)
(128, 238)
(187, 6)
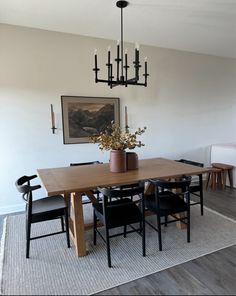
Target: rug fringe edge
(2, 251)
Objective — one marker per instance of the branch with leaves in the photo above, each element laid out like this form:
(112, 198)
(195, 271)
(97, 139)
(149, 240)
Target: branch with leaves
(113, 138)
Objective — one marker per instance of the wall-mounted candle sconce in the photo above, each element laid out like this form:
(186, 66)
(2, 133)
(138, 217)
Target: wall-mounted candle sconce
(53, 120)
(126, 120)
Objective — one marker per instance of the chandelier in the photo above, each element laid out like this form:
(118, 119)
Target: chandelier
(120, 77)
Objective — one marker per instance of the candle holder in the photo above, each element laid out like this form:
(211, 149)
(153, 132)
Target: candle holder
(126, 128)
(53, 129)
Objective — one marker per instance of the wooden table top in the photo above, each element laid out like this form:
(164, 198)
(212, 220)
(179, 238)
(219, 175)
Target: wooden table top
(83, 178)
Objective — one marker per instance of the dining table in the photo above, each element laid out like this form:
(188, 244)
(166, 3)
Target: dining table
(74, 181)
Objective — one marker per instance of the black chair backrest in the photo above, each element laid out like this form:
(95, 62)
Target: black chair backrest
(24, 187)
(85, 163)
(124, 192)
(199, 164)
(182, 184)
(120, 194)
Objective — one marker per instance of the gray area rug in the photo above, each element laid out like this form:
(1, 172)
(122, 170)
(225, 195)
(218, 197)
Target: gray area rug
(53, 269)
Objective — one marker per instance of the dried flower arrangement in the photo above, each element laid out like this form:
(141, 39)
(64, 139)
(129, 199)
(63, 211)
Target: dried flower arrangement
(113, 138)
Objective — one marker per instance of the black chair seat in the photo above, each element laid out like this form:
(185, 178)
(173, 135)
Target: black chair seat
(170, 203)
(119, 213)
(48, 204)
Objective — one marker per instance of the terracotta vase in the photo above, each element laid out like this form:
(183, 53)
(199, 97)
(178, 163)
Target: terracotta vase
(118, 161)
(131, 161)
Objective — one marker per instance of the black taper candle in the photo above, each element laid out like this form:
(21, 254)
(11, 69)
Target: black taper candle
(126, 69)
(118, 60)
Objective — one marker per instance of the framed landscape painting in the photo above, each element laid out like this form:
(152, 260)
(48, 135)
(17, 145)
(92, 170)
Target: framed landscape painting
(86, 116)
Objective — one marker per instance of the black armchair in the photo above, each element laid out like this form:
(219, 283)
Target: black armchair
(118, 208)
(47, 208)
(165, 202)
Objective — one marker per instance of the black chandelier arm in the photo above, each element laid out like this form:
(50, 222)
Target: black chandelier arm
(114, 83)
(96, 73)
(126, 67)
(110, 77)
(118, 60)
(145, 73)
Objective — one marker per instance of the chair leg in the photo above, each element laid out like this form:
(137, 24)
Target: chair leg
(201, 194)
(28, 230)
(208, 180)
(143, 238)
(166, 221)
(230, 175)
(62, 224)
(108, 247)
(224, 179)
(159, 232)
(67, 227)
(214, 180)
(188, 226)
(125, 230)
(94, 228)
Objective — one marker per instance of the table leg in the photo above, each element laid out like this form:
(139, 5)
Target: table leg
(78, 225)
(179, 224)
(67, 200)
(91, 196)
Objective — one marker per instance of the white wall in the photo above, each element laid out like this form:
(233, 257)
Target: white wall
(190, 102)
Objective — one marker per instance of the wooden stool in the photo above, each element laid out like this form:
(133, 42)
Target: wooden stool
(226, 168)
(214, 178)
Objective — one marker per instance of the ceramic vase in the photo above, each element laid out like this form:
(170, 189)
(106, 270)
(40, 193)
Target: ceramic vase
(131, 161)
(118, 161)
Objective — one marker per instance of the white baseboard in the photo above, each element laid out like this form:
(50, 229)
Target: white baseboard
(12, 209)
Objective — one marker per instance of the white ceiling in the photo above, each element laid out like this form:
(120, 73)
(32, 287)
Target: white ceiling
(203, 26)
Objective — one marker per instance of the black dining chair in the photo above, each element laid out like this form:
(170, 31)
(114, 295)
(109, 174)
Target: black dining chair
(43, 209)
(169, 199)
(85, 199)
(119, 209)
(196, 187)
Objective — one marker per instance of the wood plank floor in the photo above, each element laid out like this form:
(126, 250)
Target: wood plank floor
(213, 274)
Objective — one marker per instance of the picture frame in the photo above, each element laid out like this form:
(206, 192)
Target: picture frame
(86, 116)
